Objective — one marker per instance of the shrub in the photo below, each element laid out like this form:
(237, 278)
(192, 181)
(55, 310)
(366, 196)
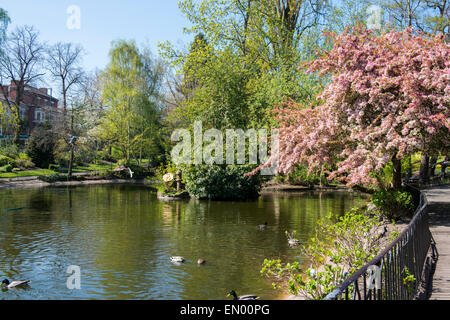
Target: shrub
(222, 182)
(7, 168)
(24, 164)
(5, 160)
(166, 187)
(53, 178)
(41, 145)
(393, 204)
(301, 176)
(23, 156)
(337, 251)
(11, 151)
(59, 178)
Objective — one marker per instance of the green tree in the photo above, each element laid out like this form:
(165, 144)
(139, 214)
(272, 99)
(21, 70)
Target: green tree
(242, 62)
(131, 92)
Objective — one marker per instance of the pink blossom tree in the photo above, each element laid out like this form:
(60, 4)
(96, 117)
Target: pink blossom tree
(388, 97)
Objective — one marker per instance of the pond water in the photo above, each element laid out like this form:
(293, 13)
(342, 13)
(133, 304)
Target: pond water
(122, 238)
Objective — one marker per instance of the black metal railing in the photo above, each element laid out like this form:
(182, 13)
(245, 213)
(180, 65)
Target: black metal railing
(397, 272)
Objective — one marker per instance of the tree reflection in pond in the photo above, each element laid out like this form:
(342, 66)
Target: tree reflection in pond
(122, 237)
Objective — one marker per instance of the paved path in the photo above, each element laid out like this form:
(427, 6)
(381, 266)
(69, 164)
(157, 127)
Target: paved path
(439, 211)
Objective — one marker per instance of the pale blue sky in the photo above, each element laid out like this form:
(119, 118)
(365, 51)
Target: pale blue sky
(146, 21)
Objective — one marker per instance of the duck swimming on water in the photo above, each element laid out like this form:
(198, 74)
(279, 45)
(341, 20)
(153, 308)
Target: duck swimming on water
(263, 226)
(177, 259)
(243, 297)
(15, 284)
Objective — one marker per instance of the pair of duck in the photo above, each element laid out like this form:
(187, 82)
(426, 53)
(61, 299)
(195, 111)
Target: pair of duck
(178, 259)
(22, 283)
(15, 284)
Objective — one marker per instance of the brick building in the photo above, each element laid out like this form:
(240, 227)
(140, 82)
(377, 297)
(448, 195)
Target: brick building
(37, 106)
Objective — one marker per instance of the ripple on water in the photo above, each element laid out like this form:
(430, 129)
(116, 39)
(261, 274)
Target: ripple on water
(122, 238)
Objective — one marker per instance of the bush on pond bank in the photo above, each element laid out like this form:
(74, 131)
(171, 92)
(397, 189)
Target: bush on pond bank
(222, 182)
(393, 204)
(59, 178)
(335, 252)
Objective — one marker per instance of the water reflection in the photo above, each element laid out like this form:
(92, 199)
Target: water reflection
(122, 237)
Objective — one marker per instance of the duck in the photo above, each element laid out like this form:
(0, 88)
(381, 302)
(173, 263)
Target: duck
(294, 242)
(15, 284)
(201, 261)
(263, 226)
(177, 259)
(243, 297)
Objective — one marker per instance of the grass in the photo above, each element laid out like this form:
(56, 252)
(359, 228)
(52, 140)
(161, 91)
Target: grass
(27, 173)
(93, 167)
(46, 172)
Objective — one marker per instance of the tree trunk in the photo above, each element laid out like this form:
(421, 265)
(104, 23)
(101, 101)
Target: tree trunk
(444, 167)
(70, 162)
(397, 181)
(433, 162)
(410, 171)
(20, 87)
(71, 148)
(424, 169)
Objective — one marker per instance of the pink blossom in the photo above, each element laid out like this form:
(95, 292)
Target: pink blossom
(389, 96)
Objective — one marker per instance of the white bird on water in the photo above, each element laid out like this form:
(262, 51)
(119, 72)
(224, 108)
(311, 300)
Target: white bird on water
(177, 259)
(15, 284)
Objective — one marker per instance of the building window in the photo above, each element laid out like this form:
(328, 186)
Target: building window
(39, 116)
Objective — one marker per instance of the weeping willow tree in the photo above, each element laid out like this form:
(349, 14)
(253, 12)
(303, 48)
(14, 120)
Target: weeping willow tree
(131, 87)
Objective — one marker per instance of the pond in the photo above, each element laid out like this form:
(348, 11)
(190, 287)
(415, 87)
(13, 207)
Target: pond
(122, 238)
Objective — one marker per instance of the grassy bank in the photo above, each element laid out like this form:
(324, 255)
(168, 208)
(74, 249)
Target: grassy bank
(46, 172)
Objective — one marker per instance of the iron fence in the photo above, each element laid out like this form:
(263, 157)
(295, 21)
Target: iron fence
(397, 272)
